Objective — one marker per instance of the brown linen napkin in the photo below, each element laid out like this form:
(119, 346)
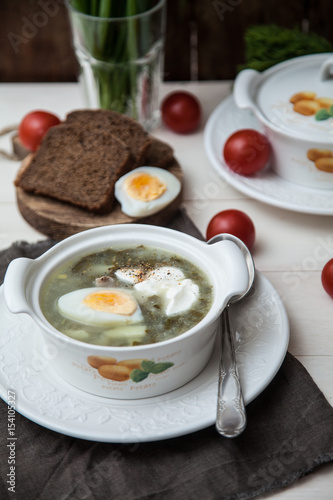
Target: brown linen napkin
(289, 434)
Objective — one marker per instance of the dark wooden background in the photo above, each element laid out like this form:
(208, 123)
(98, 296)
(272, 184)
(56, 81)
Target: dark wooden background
(205, 38)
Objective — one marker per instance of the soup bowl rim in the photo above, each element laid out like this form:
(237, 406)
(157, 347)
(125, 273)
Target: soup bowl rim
(64, 251)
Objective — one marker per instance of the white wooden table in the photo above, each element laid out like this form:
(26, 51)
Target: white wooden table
(287, 251)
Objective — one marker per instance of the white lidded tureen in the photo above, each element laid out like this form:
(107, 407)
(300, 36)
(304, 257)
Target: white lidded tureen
(183, 357)
(293, 101)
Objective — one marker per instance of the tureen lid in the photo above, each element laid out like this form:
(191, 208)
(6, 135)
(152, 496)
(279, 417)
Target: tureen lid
(297, 96)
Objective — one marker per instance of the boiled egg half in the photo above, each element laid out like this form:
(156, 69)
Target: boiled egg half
(100, 306)
(146, 190)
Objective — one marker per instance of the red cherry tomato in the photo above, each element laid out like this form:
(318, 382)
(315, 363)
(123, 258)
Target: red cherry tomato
(327, 277)
(246, 151)
(34, 126)
(234, 222)
(181, 112)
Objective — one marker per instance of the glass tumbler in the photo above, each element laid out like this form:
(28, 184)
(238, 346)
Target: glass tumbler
(121, 58)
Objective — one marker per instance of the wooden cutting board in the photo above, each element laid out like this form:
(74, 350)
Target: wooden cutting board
(58, 220)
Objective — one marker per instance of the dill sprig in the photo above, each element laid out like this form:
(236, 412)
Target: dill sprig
(268, 45)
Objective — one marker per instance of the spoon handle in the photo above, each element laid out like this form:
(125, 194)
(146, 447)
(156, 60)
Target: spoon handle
(231, 414)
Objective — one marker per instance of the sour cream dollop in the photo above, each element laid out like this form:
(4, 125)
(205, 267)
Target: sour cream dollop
(177, 293)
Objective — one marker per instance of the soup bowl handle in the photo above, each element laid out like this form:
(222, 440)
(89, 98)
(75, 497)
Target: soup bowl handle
(228, 254)
(243, 88)
(15, 285)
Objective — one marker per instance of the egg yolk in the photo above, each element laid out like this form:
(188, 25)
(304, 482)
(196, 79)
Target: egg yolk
(144, 187)
(111, 302)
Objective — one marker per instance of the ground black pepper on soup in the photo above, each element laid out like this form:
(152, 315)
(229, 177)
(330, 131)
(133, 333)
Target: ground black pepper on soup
(126, 296)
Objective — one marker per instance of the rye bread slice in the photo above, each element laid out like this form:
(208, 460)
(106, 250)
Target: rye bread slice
(160, 154)
(117, 124)
(77, 166)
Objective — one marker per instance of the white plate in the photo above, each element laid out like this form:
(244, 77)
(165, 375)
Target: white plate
(262, 336)
(265, 186)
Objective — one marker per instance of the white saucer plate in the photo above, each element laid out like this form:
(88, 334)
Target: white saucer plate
(264, 186)
(262, 335)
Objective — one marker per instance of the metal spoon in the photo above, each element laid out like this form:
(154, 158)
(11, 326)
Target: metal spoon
(231, 414)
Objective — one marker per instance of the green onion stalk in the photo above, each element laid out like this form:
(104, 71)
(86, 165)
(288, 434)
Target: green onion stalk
(111, 35)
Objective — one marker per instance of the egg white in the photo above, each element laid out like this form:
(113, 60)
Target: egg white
(129, 275)
(137, 208)
(72, 306)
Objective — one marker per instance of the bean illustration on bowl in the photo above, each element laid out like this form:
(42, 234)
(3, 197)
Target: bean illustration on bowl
(322, 158)
(300, 96)
(307, 103)
(97, 361)
(325, 164)
(115, 372)
(131, 363)
(134, 369)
